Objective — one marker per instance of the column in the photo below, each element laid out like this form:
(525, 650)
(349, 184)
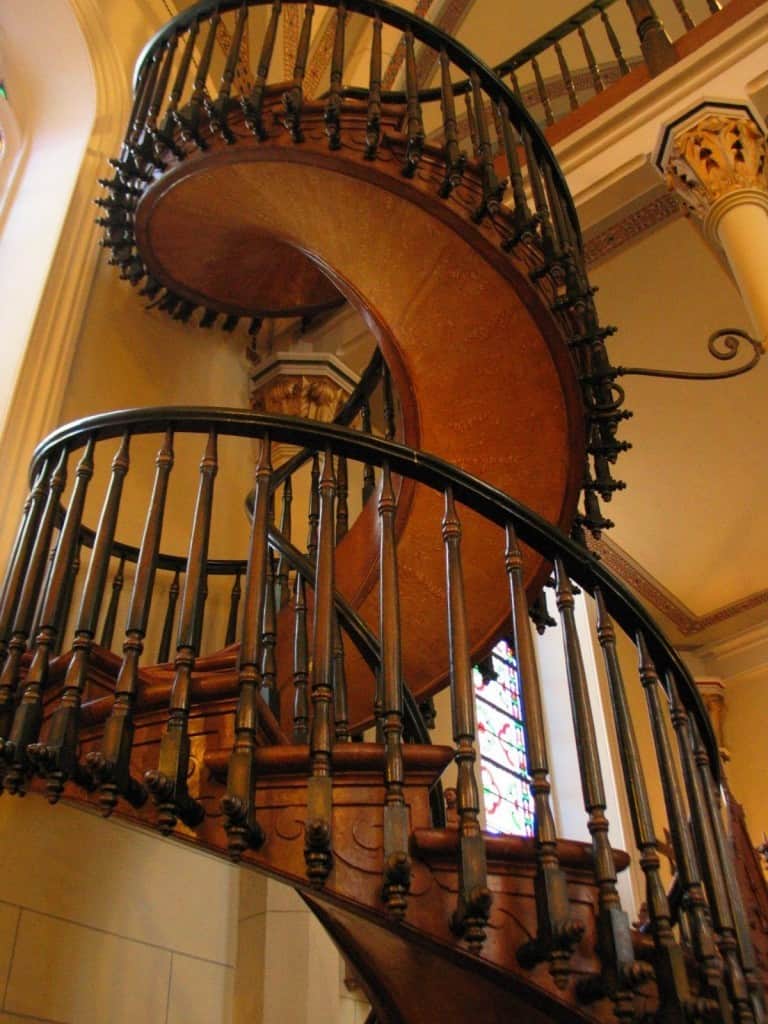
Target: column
(715, 159)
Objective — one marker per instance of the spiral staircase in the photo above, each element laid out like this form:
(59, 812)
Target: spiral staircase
(294, 740)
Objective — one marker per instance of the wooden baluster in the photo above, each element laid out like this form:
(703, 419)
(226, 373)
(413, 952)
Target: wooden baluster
(713, 6)
(474, 902)
(594, 67)
(557, 931)
(684, 15)
(369, 476)
(66, 598)
(190, 122)
(743, 937)
(373, 122)
(541, 88)
(317, 846)
(493, 191)
(283, 590)
(152, 132)
(619, 971)
(702, 938)
(200, 620)
(269, 639)
(342, 490)
(253, 105)
(613, 39)
(172, 119)
(108, 628)
(168, 782)
(521, 213)
(234, 605)
(300, 664)
(56, 759)
(242, 829)
(709, 859)
(314, 509)
(397, 863)
(332, 113)
(340, 697)
(671, 975)
(413, 117)
(20, 559)
(455, 160)
(164, 650)
(656, 46)
(28, 716)
(146, 91)
(472, 125)
(539, 199)
(565, 71)
(218, 112)
(293, 99)
(110, 765)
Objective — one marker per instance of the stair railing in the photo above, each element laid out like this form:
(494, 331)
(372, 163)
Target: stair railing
(526, 208)
(706, 968)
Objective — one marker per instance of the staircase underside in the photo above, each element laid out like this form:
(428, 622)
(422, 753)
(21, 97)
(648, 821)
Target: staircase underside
(453, 314)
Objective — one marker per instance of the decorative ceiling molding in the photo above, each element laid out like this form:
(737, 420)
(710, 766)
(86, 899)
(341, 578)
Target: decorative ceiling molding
(321, 56)
(290, 38)
(655, 594)
(449, 19)
(607, 242)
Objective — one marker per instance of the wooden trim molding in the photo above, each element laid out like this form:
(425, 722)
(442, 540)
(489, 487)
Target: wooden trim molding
(640, 222)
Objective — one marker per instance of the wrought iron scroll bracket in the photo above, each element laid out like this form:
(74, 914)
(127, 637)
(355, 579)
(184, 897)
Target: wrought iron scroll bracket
(723, 344)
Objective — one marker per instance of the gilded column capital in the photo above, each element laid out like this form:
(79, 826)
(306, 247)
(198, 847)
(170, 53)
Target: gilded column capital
(715, 158)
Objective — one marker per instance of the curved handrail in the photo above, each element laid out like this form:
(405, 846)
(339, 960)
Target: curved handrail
(423, 31)
(492, 504)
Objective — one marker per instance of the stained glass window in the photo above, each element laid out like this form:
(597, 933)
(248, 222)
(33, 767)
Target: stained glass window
(501, 739)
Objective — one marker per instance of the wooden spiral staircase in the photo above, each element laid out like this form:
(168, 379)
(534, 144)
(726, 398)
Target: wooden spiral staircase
(297, 744)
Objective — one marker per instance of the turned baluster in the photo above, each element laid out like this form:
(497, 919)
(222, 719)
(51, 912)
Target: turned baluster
(613, 40)
(218, 111)
(282, 593)
(369, 476)
(373, 122)
(28, 716)
(269, 639)
(397, 863)
(493, 191)
(619, 971)
(314, 509)
(317, 846)
(709, 860)
(342, 490)
(671, 974)
(234, 605)
(565, 71)
(56, 759)
(19, 562)
(413, 115)
(108, 628)
(164, 650)
(190, 121)
(389, 404)
(474, 900)
(110, 765)
(293, 99)
(557, 931)
(472, 125)
(240, 823)
(300, 664)
(66, 598)
(168, 782)
(688, 872)
(254, 103)
(594, 67)
(455, 160)
(684, 15)
(539, 198)
(164, 135)
(152, 134)
(145, 92)
(332, 113)
(541, 88)
(745, 948)
(656, 46)
(340, 697)
(521, 213)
